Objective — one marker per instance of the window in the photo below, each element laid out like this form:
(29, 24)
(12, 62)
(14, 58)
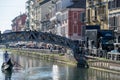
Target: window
(118, 3)
(111, 4)
(82, 16)
(88, 15)
(95, 13)
(64, 17)
(63, 31)
(101, 10)
(58, 5)
(75, 15)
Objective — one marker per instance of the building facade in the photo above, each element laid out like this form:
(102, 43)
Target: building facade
(72, 23)
(45, 16)
(97, 13)
(56, 14)
(114, 18)
(30, 15)
(18, 23)
(60, 17)
(36, 12)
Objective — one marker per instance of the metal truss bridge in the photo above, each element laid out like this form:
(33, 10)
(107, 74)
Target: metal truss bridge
(46, 38)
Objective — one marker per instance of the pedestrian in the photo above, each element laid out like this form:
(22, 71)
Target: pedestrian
(51, 48)
(6, 57)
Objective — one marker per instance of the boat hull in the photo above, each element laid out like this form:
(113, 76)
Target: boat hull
(7, 66)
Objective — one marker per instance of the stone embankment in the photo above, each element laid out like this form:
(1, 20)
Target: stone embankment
(104, 64)
(54, 56)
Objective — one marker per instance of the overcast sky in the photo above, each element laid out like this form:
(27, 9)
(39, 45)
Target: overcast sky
(9, 9)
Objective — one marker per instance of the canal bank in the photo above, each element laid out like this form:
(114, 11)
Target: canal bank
(53, 56)
(103, 64)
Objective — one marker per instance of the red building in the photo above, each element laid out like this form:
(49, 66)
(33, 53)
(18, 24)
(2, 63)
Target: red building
(18, 23)
(73, 23)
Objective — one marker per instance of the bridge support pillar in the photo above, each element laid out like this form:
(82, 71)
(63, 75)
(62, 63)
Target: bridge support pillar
(82, 63)
(79, 56)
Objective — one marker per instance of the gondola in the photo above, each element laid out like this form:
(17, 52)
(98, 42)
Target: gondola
(7, 66)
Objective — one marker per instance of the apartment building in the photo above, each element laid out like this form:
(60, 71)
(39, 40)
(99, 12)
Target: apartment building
(114, 18)
(45, 17)
(97, 13)
(37, 11)
(72, 24)
(66, 17)
(54, 16)
(19, 23)
(31, 15)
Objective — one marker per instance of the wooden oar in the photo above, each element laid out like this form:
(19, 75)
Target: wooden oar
(17, 64)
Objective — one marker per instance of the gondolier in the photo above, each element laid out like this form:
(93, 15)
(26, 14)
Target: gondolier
(6, 57)
(7, 64)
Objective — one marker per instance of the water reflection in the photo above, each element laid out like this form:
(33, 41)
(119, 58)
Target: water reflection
(8, 74)
(40, 70)
(55, 72)
(101, 75)
(74, 73)
(35, 69)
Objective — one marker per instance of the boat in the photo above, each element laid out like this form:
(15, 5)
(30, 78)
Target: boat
(7, 66)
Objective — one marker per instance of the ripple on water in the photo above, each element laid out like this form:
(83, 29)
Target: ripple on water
(39, 73)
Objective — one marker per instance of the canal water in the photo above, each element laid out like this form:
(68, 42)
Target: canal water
(27, 68)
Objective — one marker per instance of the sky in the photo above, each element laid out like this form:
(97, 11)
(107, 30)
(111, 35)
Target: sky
(9, 9)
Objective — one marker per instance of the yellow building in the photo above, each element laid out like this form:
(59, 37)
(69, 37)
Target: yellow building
(97, 13)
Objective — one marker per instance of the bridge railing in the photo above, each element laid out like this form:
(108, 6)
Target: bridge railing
(93, 52)
(101, 54)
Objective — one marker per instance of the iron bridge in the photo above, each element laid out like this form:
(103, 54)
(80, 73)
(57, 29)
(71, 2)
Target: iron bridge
(46, 38)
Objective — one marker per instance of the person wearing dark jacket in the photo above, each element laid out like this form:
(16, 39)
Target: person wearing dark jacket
(6, 57)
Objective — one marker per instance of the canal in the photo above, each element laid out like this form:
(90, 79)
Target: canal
(27, 68)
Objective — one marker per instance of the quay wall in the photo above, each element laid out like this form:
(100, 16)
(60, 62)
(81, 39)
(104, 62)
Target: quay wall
(104, 64)
(54, 56)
